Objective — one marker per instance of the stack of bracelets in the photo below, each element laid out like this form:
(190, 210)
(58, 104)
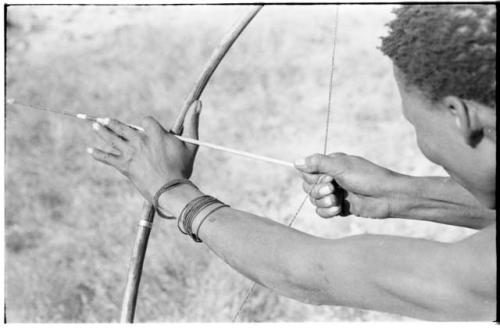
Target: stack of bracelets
(191, 210)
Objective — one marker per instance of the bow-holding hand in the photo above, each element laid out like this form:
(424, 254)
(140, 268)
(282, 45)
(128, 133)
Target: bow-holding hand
(150, 158)
(340, 184)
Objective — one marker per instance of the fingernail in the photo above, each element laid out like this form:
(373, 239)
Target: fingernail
(300, 163)
(103, 121)
(326, 178)
(95, 126)
(324, 190)
(90, 150)
(335, 210)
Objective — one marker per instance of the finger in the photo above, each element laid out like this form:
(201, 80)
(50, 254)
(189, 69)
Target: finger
(120, 129)
(307, 187)
(328, 212)
(312, 189)
(327, 201)
(152, 127)
(109, 137)
(191, 126)
(333, 164)
(313, 178)
(104, 157)
(321, 190)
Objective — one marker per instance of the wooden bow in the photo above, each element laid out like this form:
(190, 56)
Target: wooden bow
(148, 211)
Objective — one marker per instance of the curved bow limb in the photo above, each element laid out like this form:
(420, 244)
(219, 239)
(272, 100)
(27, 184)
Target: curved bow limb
(148, 211)
(214, 61)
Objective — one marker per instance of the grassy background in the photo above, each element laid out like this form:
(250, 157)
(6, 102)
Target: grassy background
(70, 222)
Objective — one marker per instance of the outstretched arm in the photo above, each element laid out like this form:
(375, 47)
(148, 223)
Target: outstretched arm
(354, 185)
(412, 277)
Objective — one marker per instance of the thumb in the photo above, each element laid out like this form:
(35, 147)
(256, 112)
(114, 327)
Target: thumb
(193, 119)
(333, 164)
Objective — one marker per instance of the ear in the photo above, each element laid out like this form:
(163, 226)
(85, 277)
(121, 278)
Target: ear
(466, 119)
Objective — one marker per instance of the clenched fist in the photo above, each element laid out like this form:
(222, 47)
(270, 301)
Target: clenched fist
(340, 184)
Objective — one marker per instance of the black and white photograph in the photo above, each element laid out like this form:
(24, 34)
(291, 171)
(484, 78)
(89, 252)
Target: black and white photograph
(253, 162)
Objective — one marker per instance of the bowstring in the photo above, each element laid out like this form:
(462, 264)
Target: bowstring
(330, 87)
(325, 148)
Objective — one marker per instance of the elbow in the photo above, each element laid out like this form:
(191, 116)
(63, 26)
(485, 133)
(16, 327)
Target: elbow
(449, 298)
(296, 282)
(471, 300)
(463, 306)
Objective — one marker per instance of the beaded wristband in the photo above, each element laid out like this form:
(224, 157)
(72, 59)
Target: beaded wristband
(168, 186)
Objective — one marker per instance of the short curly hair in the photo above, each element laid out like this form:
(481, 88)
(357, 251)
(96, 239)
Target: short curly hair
(446, 50)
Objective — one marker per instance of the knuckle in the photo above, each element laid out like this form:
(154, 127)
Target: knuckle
(125, 164)
(148, 121)
(316, 192)
(337, 154)
(323, 178)
(129, 153)
(113, 123)
(142, 140)
(313, 191)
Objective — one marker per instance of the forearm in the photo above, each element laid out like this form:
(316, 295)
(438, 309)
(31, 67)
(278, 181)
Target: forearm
(439, 199)
(399, 275)
(259, 248)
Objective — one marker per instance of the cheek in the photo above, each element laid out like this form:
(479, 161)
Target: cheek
(428, 149)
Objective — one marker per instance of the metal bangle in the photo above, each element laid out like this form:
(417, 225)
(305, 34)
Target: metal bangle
(195, 235)
(168, 186)
(197, 208)
(185, 213)
(192, 210)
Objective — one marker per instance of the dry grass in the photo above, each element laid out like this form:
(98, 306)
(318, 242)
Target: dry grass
(70, 222)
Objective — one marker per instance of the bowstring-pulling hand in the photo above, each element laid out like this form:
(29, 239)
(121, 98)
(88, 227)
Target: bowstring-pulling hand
(340, 184)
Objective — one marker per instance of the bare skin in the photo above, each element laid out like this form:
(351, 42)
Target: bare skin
(413, 277)
(365, 189)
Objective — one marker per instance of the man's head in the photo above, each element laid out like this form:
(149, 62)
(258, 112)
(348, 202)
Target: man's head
(444, 64)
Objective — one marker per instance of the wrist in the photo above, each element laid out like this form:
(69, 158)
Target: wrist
(150, 186)
(402, 195)
(174, 200)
